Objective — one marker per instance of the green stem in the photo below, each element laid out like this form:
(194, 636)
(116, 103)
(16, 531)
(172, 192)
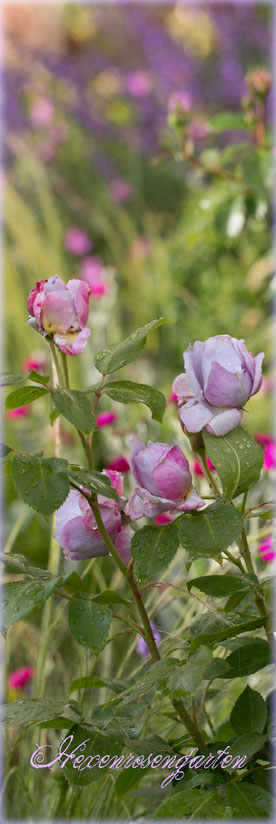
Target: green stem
(57, 364)
(245, 551)
(65, 370)
(234, 560)
(259, 599)
(209, 475)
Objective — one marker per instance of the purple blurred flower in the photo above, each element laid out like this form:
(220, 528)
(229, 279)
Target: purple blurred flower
(42, 112)
(164, 478)
(179, 102)
(77, 242)
(221, 375)
(142, 647)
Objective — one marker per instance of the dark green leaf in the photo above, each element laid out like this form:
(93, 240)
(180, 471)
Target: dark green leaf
(210, 531)
(29, 709)
(75, 407)
(258, 171)
(217, 669)
(193, 804)
(238, 460)
(32, 375)
(42, 482)
(153, 548)
(126, 780)
(92, 681)
(72, 582)
(23, 396)
(94, 481)
(89, 623)
(248, 744)
(192, 673)
(94, 743)
(110, 597)
(11, 378)
(220, 585)
(130, 392)
(127, 351)
(249, 658)
(4, 450)
(20, 597)
(249, 713)
(209, 628)
(249, 801)
(54, 414)
(17, 563)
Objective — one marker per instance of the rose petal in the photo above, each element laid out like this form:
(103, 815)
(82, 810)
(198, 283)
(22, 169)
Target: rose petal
(224, 422)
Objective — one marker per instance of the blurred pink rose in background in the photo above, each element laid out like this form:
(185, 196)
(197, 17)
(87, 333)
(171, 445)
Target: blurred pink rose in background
(42, 112)
(20, 412)
(139, 84)
(106, 418)
(119, 464)
(179, 102)
(197, 468)
(121, 190)
(269, 445)
(92, 271)
(19, 677)
(266, 550)
(77, 242)
(36, 363)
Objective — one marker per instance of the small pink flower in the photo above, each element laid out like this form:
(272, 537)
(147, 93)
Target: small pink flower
(92, 271)
(18, 678)
(106, 418)
(119, 464)
(179, 102)
(121, 190)
(267, 386)
(20, 412)
(266, 550)
(77, 242)
(198, 130)
(142, 646)
(37, 364)
(197, 468)
(42, 112)
(139, 84)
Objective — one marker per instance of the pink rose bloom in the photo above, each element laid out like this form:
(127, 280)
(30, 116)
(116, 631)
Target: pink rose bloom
(62, 310)
(138, 84)
(18, 678)
(121, 190)
(164, 478)
(197, 468)
(77, 242)
(142, 646)
(221, 375)
(106, 418)
(266, 550)
(179, 102)
(198, 130)
(92, 271)
(42, 112)
(76, 529)
(35, 363)
(269, 445)
(120, 464)
(20, 412)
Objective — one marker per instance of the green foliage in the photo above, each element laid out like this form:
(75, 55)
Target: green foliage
(32, 710)
(249, 713)
(95, 743)
(89, 623)
(130, 392)
(92, 480)
(153, 548)
(20, 597)
(238, 460)
(127, 351)
(23, 396)
(210, 628)
(211, 531)
(221, 585)
(248, 801)
(75, 407)
(42, 482)
(194, 804)
(249, 658)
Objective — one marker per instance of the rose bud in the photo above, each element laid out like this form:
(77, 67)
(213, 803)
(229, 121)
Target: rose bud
(259, 82)
(76, 529)
(164, 478)
(221, 375)
(62, 310)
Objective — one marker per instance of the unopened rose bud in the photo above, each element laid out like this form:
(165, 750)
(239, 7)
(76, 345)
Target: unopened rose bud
(259, 82)
(61, 310)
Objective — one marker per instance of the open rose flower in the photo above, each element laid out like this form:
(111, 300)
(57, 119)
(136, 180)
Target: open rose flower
(62, 310)
(76, 529)
(164, 478)
(221, 375)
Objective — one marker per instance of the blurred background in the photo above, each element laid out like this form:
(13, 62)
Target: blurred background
(137, 155)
